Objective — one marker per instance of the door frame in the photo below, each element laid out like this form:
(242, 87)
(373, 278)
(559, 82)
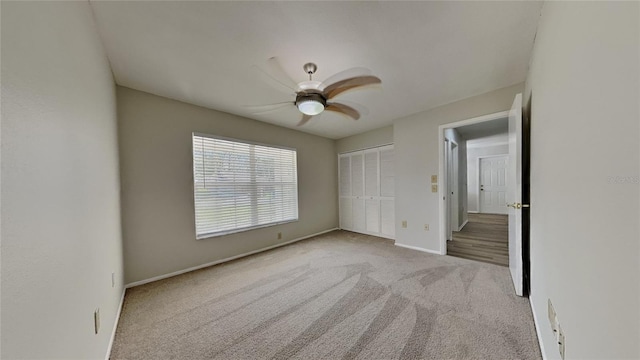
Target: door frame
(480, 174)
(442, 186)
(445, 178)
(455, 199)
(451, 176)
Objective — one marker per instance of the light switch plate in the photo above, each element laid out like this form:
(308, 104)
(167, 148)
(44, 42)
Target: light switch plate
(434, 188)
(404, 223)
(434, 179)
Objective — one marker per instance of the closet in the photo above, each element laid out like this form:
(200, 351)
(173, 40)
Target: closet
(367, 191)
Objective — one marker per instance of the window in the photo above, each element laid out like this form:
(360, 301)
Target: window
(240, 185)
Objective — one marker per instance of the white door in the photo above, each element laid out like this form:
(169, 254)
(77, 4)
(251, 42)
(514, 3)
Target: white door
(514, 194)
(493, 184)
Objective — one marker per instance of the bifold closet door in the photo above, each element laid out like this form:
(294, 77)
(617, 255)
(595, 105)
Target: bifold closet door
(357, 192)
(371, 191)
(387, 192)
(366, 180)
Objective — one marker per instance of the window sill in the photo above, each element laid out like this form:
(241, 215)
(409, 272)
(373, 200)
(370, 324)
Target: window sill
(234, 231)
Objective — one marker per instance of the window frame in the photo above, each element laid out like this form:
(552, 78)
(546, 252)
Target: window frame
(247, 228)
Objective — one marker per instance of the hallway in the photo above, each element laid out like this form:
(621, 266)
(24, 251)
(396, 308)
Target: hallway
(484, 238)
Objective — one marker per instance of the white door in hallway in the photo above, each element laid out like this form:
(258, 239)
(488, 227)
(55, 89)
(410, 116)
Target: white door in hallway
(514, 195)
(493, 184)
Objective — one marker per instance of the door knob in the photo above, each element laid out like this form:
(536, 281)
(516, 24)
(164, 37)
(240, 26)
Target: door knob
(518, 205)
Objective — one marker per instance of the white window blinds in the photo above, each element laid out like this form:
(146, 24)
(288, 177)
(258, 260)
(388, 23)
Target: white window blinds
(240, 185)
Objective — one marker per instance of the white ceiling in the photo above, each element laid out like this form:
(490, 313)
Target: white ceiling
(426, 53)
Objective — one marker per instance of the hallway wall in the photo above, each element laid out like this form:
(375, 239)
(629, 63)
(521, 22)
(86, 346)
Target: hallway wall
(582, 92)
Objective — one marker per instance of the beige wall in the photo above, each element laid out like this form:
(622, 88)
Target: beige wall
(157, 192)
(369, 139)
(415, 141)
(583, 90)
(61, 236)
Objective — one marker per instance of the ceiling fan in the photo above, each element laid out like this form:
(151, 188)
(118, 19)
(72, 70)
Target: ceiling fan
(314, 97)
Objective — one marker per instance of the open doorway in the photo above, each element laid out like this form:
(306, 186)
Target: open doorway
(476, 169)
(517, 173)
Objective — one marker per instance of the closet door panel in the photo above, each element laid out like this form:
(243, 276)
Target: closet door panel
(371, 176)
(345, 175)
(372, 209)
(357, 175)
(359, 219)
(387, 173)
(387, 217)
(346, 216)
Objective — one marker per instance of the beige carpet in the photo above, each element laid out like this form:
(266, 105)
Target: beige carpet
(336, 296)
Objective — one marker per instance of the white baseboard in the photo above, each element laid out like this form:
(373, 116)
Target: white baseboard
(380, 235)
(463, 224)
(472, 212)
(115, 325)
(535, 323)
(179, 272)
(418, 249)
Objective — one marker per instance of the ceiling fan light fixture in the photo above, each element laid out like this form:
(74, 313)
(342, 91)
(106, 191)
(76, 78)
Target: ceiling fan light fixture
(310, 104)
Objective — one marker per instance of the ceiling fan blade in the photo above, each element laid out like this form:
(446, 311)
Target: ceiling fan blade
(361, 109)
(274, 82)
(344, 109)
(304, 119)
(274, 68)
(260, 109)
(346, 74)
(339, 87)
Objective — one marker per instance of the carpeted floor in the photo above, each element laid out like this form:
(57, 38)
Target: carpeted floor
(337, 296)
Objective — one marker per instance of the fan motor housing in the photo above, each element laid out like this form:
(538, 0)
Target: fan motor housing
(300, 98)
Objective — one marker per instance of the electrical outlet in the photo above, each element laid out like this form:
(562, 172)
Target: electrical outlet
(434, 179)
(113, 279)
(426, 227)
(96, 320)
(434, 188)
(279, 235)
(555, 327)
(404, 223)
